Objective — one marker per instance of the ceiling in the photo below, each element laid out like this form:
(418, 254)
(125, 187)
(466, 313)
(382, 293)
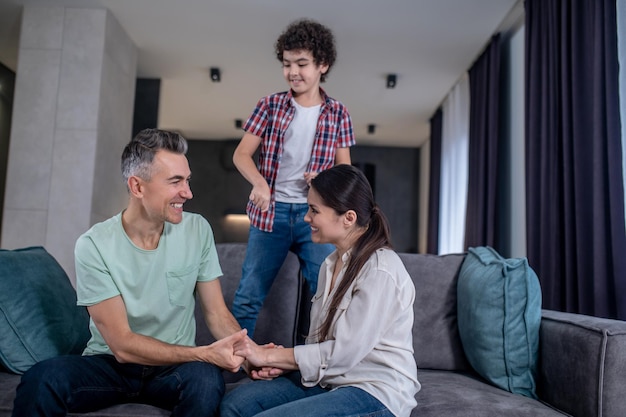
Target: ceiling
(427, 43)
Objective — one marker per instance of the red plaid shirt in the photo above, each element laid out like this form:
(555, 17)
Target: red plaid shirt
(270, 120)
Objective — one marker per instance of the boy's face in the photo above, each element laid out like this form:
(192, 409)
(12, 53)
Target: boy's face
(301, 72)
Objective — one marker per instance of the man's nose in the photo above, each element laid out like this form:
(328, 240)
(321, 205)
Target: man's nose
(186, 192)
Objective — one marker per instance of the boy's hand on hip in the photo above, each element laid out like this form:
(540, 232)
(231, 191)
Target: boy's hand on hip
(260, 197)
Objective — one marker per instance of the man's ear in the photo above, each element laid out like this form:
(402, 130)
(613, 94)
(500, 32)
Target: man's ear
(135, 186)
(349, 217)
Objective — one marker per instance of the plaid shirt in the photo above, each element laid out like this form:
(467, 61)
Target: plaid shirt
(270, 120)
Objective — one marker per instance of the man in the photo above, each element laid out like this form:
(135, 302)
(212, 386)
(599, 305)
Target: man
(138, 273)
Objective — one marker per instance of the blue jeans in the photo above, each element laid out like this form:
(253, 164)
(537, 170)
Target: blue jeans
(75, 383)
(287, 397)
(265, 254)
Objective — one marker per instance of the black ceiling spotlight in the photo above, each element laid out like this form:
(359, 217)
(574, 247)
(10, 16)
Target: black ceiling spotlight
(391, 80)
(215, 75)
(371, 129)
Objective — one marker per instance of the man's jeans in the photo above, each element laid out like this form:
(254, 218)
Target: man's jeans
(75, 383)
(265, 254)
(287, 397)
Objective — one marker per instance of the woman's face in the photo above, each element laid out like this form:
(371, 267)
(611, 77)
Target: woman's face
(326, 225)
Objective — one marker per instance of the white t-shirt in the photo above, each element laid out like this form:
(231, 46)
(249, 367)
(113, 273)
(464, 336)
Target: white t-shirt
(291, 187)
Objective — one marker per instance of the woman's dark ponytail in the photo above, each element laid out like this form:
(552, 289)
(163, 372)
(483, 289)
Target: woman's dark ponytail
(343, 188)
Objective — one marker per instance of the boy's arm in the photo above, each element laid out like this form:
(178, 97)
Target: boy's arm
(342, 156)
(243, 158)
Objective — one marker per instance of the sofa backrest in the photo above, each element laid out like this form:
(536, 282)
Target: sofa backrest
(436, 337)
(277, 321)
(284, 315)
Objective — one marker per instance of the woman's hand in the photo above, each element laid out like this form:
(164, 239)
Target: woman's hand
(254, 354)
(256, 362)
(265, 373)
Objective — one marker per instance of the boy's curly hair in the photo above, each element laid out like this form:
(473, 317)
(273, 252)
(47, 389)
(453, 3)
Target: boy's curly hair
(309, 35)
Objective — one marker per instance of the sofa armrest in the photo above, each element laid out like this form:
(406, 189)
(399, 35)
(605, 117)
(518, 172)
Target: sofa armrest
(582, 364)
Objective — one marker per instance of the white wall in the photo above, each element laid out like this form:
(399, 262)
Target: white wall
(72, 114)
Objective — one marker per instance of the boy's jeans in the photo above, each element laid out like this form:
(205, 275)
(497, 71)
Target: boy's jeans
(265, 254)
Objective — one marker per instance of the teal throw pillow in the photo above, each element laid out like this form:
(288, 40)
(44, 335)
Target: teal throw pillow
(499, 314)
(39, 317)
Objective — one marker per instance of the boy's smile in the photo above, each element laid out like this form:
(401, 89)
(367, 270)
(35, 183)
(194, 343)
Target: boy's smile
(301, 72)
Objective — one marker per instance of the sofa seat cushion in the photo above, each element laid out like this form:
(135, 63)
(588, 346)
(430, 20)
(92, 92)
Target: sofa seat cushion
(499, 312)
(8, 384)
(126, 410)
(39, 317)
(456, 394)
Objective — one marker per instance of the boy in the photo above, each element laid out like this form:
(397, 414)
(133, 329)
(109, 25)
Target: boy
(300, 132)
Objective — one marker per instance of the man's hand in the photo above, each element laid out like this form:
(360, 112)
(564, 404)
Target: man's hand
(222, 352)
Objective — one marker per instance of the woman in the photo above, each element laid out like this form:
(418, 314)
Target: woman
(358, 357)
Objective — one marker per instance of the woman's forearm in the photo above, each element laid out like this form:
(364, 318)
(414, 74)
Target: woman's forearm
(282, 358)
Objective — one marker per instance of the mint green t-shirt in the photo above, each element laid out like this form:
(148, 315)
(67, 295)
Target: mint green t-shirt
(157, 286)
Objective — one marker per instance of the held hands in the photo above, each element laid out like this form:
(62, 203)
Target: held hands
(256, 359)
(224, 351)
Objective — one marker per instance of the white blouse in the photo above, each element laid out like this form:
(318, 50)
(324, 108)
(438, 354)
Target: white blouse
(371, 338)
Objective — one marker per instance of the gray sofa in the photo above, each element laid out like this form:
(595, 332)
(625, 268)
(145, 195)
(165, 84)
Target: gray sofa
(582, 368)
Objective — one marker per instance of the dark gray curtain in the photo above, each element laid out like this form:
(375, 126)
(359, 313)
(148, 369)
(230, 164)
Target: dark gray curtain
(436, 127)
(484, 135)
(574, 193)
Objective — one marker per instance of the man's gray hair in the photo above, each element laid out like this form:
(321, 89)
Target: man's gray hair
(139, 154)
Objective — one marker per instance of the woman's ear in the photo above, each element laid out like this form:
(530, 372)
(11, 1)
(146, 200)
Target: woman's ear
(349, 217)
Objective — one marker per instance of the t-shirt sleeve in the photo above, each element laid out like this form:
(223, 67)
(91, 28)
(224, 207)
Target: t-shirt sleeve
(93, 280)
(210, 268)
